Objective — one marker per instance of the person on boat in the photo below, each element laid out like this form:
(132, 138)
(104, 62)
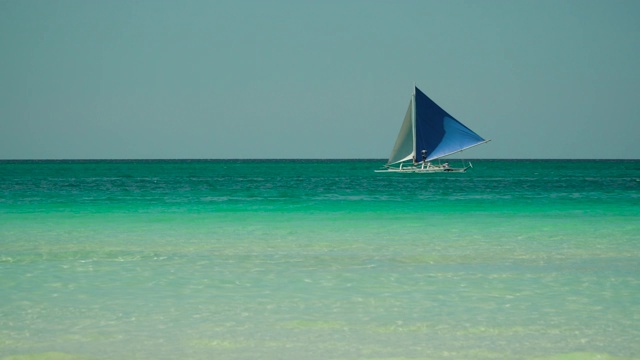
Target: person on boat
(446, 165)
(424, 156)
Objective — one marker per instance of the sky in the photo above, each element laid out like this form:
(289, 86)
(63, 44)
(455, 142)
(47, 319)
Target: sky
(243, 79)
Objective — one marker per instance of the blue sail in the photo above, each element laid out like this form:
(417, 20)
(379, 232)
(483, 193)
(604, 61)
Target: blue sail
(437, 132)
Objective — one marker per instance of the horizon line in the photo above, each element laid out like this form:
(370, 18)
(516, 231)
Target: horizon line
(304, 159)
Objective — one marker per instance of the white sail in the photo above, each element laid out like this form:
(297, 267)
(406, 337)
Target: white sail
(403, 149)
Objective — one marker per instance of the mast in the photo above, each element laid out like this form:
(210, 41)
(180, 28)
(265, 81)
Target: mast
(413, 122)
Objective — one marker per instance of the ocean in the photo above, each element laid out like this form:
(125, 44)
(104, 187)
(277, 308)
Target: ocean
(319, 259)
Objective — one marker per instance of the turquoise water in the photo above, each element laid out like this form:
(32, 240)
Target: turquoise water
(319, 260)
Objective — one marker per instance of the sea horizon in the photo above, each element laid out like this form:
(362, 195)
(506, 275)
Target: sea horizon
(313, 159)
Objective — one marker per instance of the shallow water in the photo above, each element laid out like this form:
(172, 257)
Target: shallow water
(319, 260)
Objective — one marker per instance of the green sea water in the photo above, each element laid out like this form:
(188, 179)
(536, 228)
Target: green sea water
(319, 260)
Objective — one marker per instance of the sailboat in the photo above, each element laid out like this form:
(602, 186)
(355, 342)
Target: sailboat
(431, 133)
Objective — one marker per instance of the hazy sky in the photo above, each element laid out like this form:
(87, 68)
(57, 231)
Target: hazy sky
(314, 79)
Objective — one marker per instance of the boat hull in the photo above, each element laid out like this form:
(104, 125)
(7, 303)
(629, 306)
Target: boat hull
(424, 169)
